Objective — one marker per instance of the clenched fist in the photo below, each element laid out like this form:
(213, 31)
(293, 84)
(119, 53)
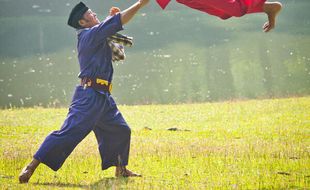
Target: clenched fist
(114, 11)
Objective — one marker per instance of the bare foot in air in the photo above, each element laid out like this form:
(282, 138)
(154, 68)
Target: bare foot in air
(123, 172)
(271, 9)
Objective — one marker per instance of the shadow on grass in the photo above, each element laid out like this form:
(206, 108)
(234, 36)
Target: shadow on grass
(105, 183)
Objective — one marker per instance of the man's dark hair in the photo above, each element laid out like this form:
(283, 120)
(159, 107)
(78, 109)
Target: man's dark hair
(77, 14)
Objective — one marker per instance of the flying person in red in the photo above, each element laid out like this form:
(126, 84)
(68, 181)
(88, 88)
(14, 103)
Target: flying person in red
(225, 9)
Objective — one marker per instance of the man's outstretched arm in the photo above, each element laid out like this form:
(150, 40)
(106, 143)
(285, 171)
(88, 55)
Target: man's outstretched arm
(128, 14)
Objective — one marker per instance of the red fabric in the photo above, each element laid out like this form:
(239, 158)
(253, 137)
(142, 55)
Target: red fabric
(221, 8)
(163, 3)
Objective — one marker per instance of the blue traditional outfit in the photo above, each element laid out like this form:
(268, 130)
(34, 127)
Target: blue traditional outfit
(92, 107)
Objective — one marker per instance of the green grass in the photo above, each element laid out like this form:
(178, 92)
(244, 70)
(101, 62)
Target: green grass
(257, 144)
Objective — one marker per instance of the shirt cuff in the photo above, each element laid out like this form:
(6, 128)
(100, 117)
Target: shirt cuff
(119, 21)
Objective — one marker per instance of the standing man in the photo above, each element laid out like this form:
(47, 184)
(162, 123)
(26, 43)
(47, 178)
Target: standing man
(92, 107)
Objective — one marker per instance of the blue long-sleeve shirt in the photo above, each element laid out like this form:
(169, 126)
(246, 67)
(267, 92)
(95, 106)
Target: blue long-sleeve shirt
(94, 53)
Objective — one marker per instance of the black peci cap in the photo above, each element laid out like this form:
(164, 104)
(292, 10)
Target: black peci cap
(76, 14)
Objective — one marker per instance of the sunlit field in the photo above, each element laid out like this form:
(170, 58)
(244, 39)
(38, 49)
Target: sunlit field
(257, 144)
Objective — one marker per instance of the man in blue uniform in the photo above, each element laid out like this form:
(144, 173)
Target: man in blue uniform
(92, 107)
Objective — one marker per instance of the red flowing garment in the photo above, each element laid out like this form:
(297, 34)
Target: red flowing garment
(221, 8)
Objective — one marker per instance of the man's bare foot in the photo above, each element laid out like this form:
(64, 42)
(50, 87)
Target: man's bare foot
(27, 171)
(272, 9)
(124, 172)
(25, 174)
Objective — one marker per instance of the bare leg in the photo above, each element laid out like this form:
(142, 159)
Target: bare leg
(122, 171)
(271, 9)
(27, 171)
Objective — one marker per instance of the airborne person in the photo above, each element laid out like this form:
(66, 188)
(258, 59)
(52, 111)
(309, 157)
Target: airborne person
(92, 107)
(225, 9)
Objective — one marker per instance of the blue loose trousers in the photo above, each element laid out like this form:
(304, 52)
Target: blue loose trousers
(89, 111)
